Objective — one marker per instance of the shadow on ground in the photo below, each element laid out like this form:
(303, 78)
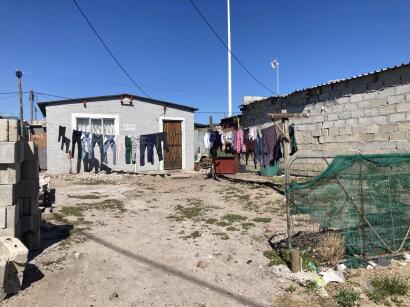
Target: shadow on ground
(170, 270)
(277, 187)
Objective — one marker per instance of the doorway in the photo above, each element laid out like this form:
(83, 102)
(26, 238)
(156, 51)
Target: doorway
(173, 153)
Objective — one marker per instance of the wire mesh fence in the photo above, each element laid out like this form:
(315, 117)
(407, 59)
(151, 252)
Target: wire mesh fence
(364, 197)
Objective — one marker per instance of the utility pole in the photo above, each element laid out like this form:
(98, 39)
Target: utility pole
(229, 60)
(31, 97)
(35, 113)
(19, 74)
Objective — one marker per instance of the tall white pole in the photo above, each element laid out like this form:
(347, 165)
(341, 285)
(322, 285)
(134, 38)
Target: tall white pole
(229, 60)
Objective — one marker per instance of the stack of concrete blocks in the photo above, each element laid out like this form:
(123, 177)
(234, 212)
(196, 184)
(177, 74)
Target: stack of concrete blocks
(19, 213)
(13, 259)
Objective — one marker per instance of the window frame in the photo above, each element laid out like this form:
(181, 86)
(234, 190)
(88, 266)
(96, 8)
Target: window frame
(90, 116)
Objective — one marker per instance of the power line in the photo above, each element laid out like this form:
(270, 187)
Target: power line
(51, 95)
(226, 47)
(109, 51)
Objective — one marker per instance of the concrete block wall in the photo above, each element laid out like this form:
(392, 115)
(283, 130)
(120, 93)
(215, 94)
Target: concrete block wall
(369, 114)
(19, 181)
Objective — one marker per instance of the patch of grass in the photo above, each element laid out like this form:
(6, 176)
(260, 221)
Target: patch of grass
(193, 235)
(261, 219)
(232, 228)
(223, 235)
(273, 257)
(109, 204)
(222, 223)
(211, 221)
(247, 226)
(385, 286)
(312, 287)
(77, 211)
(290, 289)
(90, 196)
(193, 211)
(346, 297)
(232, 218)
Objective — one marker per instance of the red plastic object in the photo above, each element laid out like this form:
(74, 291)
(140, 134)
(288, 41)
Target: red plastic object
(227, 165)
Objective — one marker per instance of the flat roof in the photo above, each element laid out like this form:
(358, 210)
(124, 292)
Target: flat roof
(42, 105)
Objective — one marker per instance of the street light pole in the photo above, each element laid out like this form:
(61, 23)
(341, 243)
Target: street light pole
(19, 74)
(229, 59)
(275, 65)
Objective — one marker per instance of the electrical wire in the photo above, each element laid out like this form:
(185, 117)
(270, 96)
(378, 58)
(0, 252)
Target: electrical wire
(109, 51)
(226, 47)
(51, 95)
(7, 97)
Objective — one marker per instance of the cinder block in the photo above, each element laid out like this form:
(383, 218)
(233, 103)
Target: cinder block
(31, 240)
(30, 151)
(382, 136)
(398, 99)
(3, 217)
(371, 112)
(26, 224)
(345, 115)
(404, 126)
(13, 130)
(4, 130)
(402, 89)
(17, 255)
(358, 129)
(367, 137)
(12, 218)
(372, 129)
(398, 135)
(27, 188)
(11, 152)
(403, 107)
(10, 173)
(317, 132)
(388, 128)
(7, 192)
(30, 169)
(397, 117)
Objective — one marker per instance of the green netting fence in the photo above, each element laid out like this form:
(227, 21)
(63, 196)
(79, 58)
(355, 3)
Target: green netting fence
(365, 197)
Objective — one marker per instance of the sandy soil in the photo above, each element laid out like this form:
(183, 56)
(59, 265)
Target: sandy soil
(156, 241)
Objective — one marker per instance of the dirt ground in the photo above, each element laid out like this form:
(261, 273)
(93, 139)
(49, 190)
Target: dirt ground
(179, 240)
(156, 241)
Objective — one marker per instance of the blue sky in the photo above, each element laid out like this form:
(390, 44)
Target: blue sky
(173, 55)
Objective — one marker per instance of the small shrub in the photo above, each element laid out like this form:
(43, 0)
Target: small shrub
(385, 286)
(312, 287)
(290, 289)
(274, 258)
(331, 248)
(347, 297)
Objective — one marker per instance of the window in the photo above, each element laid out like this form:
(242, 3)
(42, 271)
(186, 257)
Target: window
(96, 124)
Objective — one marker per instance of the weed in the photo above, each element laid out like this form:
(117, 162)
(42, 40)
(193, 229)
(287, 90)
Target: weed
(232, 218)
(312, 287)
(247, 226)
(273, 257)
(90, 196)
(193, 235)
(290, 289)
(223, 223)
(262, 219)
(211, 221)
(232, 228)
(77, 211)
(223, 235)
(331, 248)
(386, 286)
(347, 297)
(193, 212)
